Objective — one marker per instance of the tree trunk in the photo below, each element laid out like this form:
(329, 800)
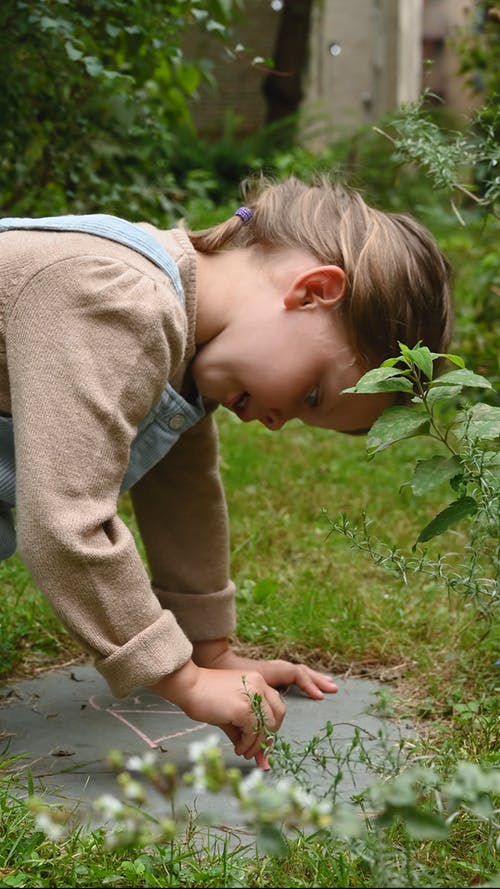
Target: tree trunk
(283, 86)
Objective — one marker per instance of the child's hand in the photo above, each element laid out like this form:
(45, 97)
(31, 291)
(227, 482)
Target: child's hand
(216, 654)
(225, 697)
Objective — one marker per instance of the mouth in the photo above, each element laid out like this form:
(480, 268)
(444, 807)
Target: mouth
(238, 403)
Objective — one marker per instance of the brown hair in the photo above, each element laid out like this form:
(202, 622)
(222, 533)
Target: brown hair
(397, 277)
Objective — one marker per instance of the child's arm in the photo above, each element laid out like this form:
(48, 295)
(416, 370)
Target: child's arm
(216, 654)
(225, 697)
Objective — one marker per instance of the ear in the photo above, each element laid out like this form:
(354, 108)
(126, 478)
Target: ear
(323, 286)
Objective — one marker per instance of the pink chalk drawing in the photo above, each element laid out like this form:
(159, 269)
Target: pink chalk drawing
(139, 706)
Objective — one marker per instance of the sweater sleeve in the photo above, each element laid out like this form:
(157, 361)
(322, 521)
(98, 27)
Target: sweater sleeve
(90, 344)
(182, 516)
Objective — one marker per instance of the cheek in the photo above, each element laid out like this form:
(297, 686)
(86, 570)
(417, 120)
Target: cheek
(281, 383)
(282, 361)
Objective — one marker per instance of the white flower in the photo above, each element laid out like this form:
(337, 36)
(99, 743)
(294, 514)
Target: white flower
(140, 763)
(134, 764)
(134, 791)
(253, 781)
(109, 805)
(324, 807)
(198, 749)
(302, 797)
(285, 784)
(200, 781)
(44, 822)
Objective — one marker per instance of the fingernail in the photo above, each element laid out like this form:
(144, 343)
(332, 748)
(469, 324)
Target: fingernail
(262, 762)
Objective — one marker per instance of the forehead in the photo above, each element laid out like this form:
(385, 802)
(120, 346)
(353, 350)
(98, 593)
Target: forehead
(350, 413)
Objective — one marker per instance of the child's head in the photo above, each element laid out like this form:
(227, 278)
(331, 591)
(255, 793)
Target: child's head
(397, 279)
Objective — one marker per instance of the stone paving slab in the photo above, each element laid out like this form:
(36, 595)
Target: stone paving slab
(63, 724)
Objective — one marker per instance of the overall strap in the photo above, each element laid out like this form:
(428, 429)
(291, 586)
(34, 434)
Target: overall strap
(112, 227)
(168, 418)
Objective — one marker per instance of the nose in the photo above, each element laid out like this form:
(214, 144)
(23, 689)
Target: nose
(273, 419)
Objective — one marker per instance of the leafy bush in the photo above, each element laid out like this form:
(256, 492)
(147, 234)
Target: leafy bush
(390, 832)
(92, 98)
(469, 433)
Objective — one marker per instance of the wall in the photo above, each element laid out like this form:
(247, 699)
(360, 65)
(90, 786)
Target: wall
(441, 20)
(238, 82)
(365, 59)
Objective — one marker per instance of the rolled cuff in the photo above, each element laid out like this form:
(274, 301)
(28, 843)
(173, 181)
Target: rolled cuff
(202, 615)
(158, 650)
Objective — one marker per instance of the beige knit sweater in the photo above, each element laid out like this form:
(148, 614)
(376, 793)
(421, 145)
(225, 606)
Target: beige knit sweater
(90, 333)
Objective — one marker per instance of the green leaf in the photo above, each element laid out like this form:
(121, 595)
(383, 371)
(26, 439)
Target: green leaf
(73, 53)
(405, 352)
(199, 14)
(424, 825)
(422, 357)
(382, 379)
(462, 377)
(48, 24)
(440, 393)
(456, 483)
(112, 75)
(453, 513)
(395, 424)
(19, 879)
(213, 25)
(112, 30)
(396, 384)
(480, 422)
(346, 822)
(430, 473)
(189, 78)
(270, 840)
(455, 359)
(93, 65)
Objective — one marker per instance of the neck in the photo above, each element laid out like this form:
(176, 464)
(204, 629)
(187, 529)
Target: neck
(219, 285)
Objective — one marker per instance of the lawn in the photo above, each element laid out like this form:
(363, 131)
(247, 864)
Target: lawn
(304, 592)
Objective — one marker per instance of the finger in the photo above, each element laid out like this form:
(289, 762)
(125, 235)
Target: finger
(249, 744)
(314, 684)
(267, 716)
(233, 733)
(254, 744)
(246, 738)
(240, 748)
(326, 683)
(277, 708)
(254, 748)
(261, 761)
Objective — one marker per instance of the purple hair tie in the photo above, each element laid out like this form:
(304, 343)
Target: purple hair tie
(245, 214)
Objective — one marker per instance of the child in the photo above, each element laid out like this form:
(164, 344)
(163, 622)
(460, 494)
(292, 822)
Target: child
(117, 342)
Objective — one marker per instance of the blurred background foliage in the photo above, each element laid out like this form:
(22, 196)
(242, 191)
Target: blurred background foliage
(95, 102)
(95, 112)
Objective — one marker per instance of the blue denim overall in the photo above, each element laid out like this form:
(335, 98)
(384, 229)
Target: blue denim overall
(169, 417)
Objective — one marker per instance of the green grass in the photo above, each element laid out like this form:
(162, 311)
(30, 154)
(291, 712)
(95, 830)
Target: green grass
(304, 592)
(303, 588)
(30, 632)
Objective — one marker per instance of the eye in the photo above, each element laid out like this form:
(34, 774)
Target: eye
(311, 398)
